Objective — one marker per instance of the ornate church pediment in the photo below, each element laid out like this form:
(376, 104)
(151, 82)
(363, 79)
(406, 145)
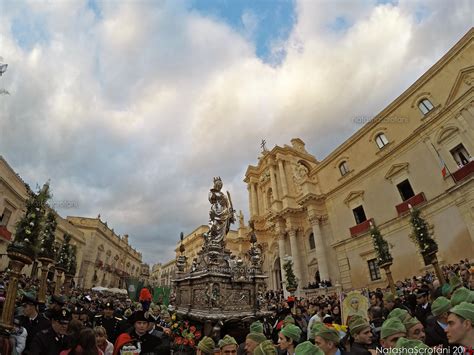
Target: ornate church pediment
(465, 79)
(353, 195)
(395, 169)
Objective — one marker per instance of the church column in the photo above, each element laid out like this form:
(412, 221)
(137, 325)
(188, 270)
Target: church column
(281, 254)
(295, 253)
(273, 182)
(284, 184)
(249, 188)
(253, 188)
(320, 248)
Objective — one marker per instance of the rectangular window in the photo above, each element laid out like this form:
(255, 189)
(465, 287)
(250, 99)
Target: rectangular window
(5, 217)
(374, 269)
(405, 190)
(359, 214)
(460, 155)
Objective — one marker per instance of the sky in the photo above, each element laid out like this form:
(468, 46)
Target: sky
(130, 108)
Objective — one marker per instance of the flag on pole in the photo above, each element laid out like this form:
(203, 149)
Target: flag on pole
(444, 168)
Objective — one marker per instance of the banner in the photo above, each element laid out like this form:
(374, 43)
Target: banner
(354, 303)
(134, 285)
(161, 295)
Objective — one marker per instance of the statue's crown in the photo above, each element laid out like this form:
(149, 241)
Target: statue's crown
(216, 179)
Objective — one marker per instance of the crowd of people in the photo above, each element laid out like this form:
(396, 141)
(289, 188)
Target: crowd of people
(422, 314)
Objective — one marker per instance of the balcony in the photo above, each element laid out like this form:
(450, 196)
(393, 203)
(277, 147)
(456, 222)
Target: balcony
(361, 227)
(464, 171)
(5, 233)
(415, 200)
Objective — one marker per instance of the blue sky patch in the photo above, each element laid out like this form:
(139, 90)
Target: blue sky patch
(94, 6)
(340, 24)
(274, 21)
(28, 31)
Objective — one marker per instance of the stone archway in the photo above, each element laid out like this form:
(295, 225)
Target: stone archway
(277, 279)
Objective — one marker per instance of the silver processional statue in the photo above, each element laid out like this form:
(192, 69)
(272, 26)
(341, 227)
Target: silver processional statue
(221, 215)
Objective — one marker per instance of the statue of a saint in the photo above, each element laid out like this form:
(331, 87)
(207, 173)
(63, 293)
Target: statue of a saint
(221, 215)
(241, 219)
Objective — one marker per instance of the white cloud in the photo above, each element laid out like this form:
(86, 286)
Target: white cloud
(133, 112)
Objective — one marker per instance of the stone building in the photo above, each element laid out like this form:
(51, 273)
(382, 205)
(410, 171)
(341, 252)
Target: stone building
(103, 257)
(13, 196)
(109, 258)
(167, 273)
(155, 275)
(319, 212)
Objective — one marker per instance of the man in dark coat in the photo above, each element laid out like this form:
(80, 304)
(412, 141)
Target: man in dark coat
(423, 307)
(31, 320)
(436, 325)
(54, 339)
(109, 322)
(148, 343)
(361, 332)
(55, 305)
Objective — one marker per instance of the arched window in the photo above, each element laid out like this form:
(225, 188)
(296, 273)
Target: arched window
(425, 106)
(312, 245)
(381, 140)
(343, 168)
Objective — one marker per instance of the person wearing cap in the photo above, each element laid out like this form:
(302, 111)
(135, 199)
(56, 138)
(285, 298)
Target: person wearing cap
(108, 321)
(206, 346)
(399, 313)
(31, 320)
(148, 343)
(54, 339)
(412, 344)
(255, 327)
(388, 303)
(288, 338)
(56, 303)
(361, 333)
(392, 330)
(252, 340)
(76, 312)
(307, 348)
(423, 307)
(415, 330)
(265, 348)
(435, 334)
(460, 328)
(327, 338)
(228, 345)
(462, 294)
(455, 282)
(84, 318)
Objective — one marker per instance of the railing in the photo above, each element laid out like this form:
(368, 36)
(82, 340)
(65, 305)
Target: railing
(413, 201)
(361, 227)
(464, 172)
(5, 233)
